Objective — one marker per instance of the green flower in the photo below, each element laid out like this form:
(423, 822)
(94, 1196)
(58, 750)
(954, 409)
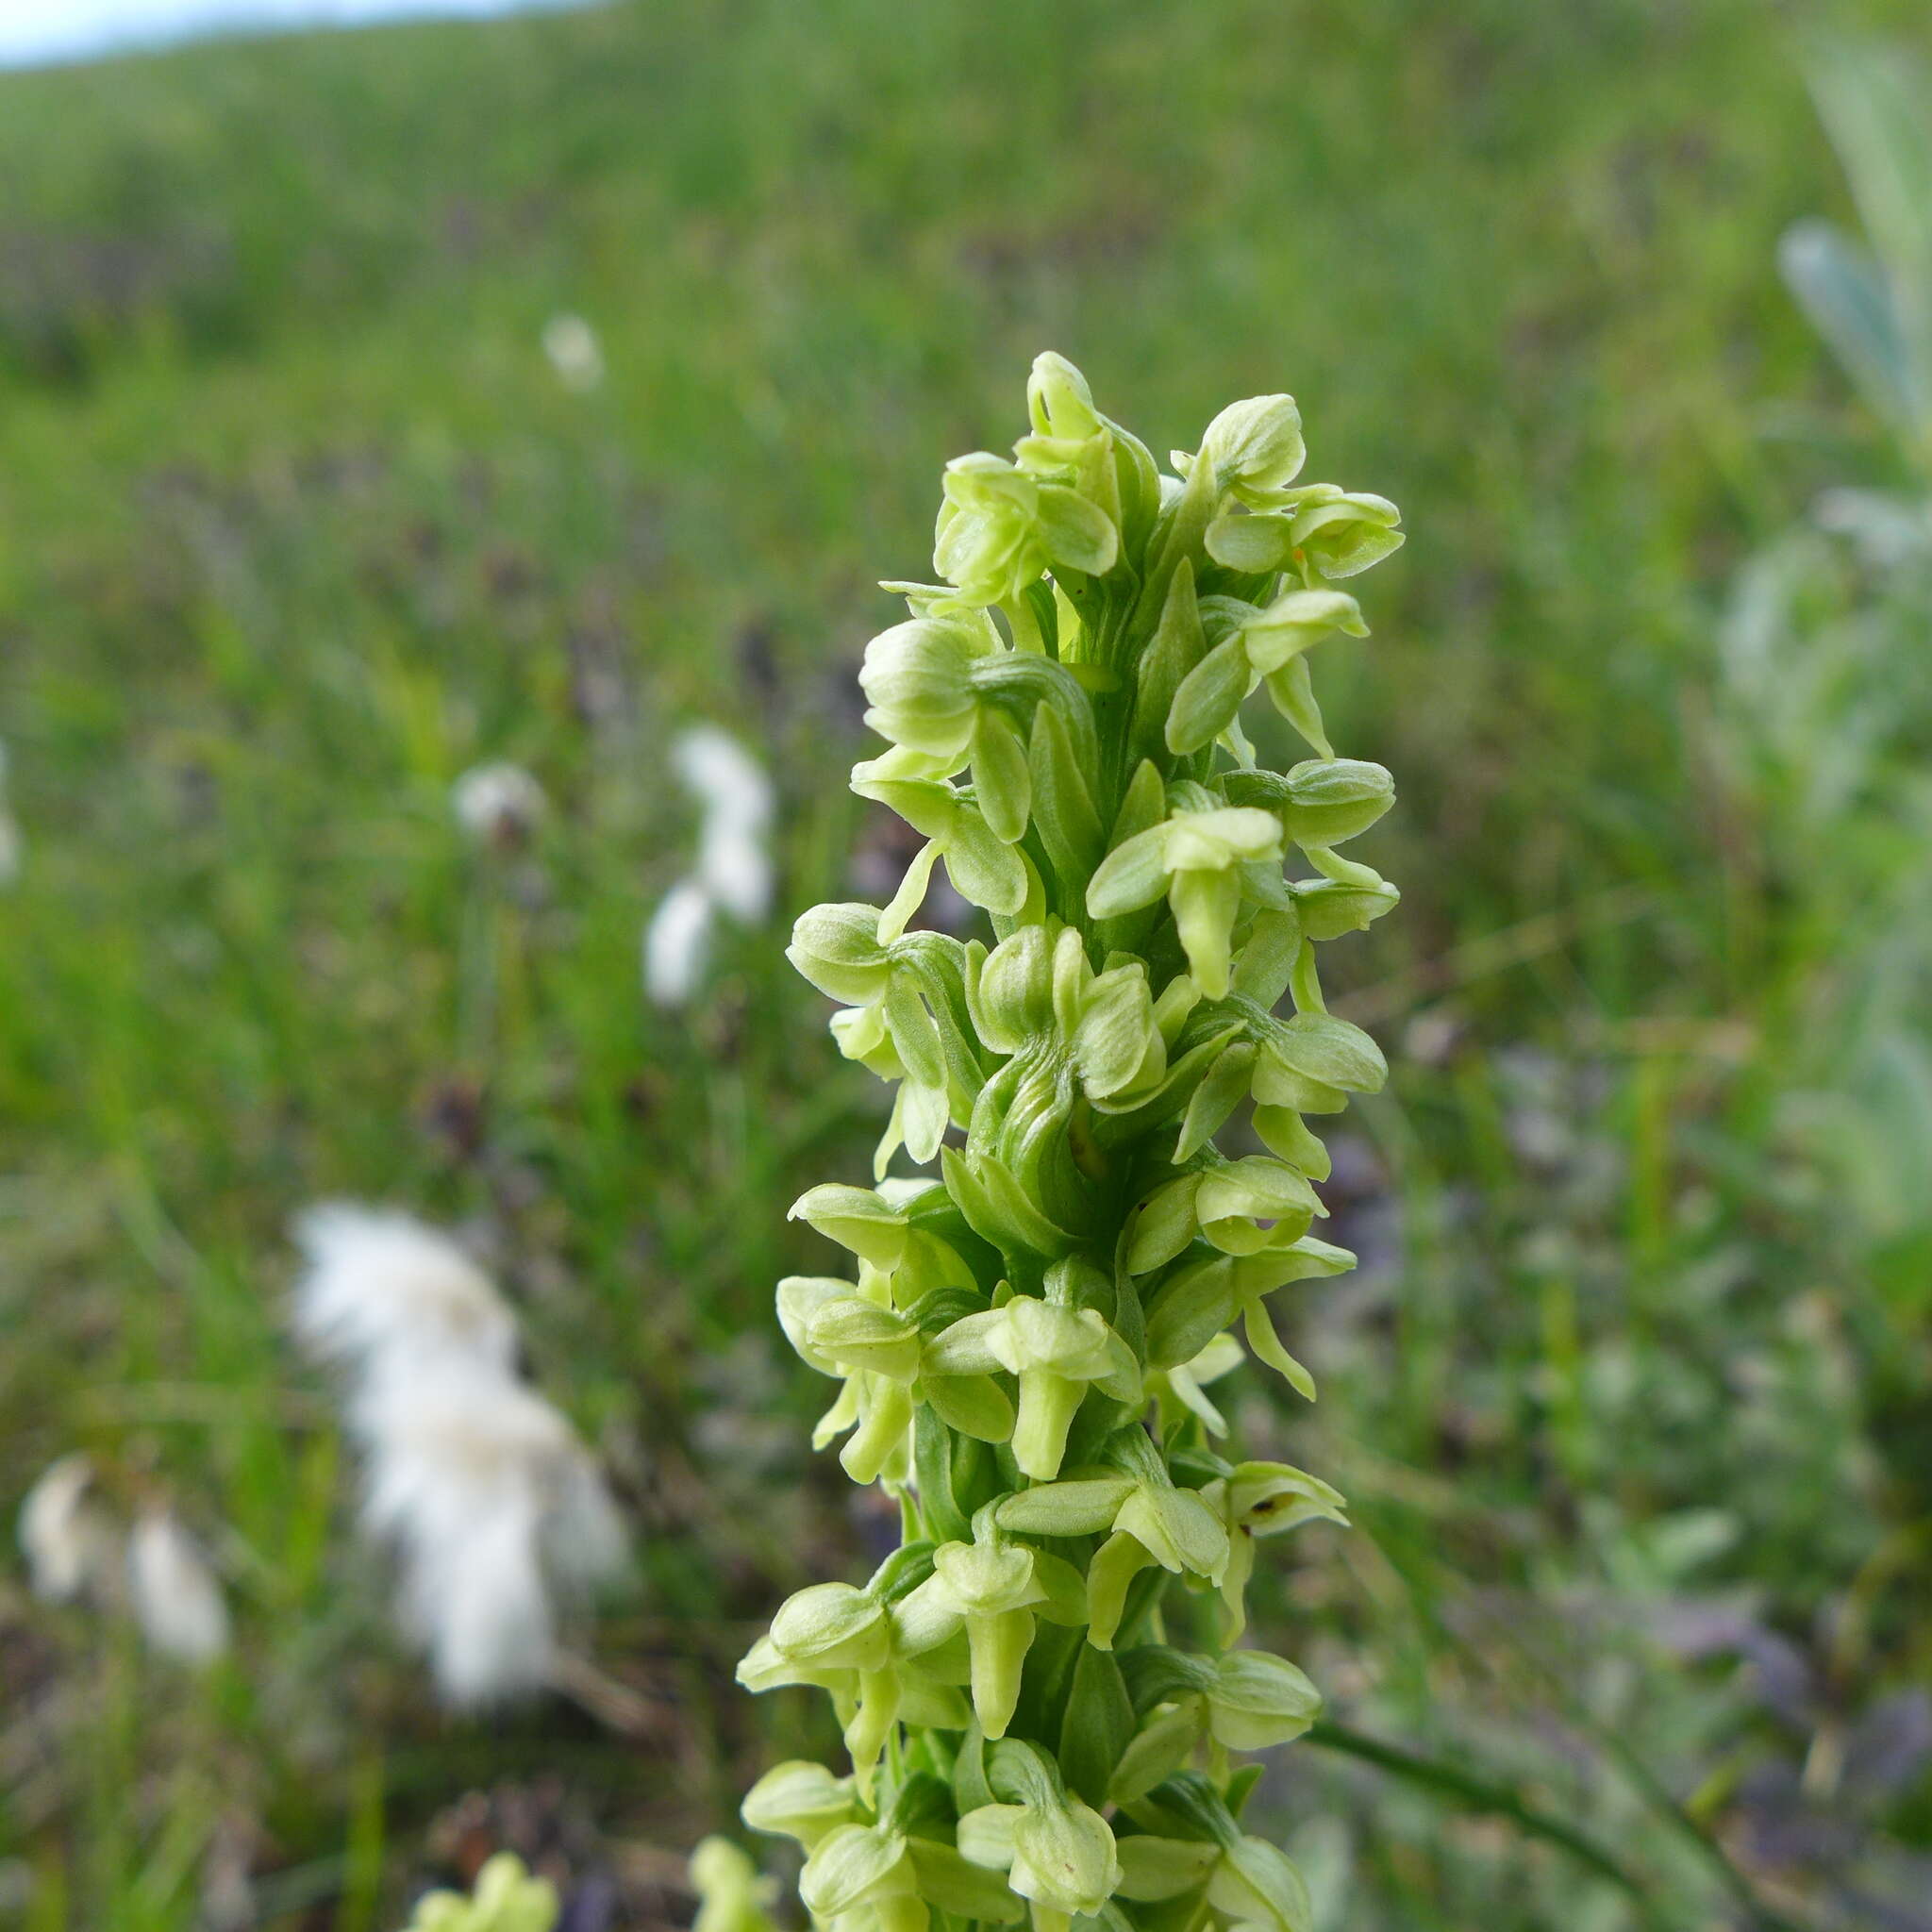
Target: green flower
(863, 1874)
(1183, 1389)
(1244, 1701)
(1261, 1499)
(918, 680)
(732, 1896)
(875, 1350)
(1260, 647)
(984, 868)
(1193, 1845)
(1252, 451)
(800, 1800)
(1058, 1852)
(1146, 1520)
(879, 1651)
(1199, 1299)
(1039, 982)
(1001, 529)
(995, 1586)
(506, 1899)
(1247, 1884)
(1196, 858)
(1322, 531)
(1055, 1354)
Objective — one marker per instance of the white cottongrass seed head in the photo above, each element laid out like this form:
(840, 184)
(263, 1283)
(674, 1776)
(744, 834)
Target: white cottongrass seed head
(495, 1510)
(575, 352)
(678, 945)
(497, 1513)
(498, 803)
(729, 785)
(384, 1291)
(733, 875)
(173, 1591)
(72, 1547)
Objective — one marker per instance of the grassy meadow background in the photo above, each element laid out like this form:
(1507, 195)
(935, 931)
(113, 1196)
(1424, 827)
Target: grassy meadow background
(297, 522)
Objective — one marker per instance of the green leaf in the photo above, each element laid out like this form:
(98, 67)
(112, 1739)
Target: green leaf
(1209, 698)
(983, 869)
(1223, 1090)
(1130, 877)
(1191, 1308)
(997, 1207)
(1083, 1508)
(1062, 805)
(957, 1886)
(1098, 1723)
(1002, 781)
(1164, 1225)
(976, 1405)
(932, 1468)
(1177, 646)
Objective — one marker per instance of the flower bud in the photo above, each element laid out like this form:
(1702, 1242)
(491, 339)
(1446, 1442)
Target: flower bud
(1330, 800)
(858, 1334)
(799, 1800)
(918, 680)
(1011, 995)
(1342, 537)
(833, 1626)
(1330, 908)
(1259, 1701)
(857, 1866)
(1255, 1886)
(1059, 401)
(1256, 449)
(1058, 1854)
(837, 949)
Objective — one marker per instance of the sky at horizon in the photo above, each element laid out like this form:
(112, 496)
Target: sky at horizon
(44, 32)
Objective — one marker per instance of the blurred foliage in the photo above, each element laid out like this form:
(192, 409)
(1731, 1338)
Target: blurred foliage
(296, 522)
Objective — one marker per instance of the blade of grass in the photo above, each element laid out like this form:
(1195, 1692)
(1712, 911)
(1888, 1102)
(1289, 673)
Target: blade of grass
(1478, 1794)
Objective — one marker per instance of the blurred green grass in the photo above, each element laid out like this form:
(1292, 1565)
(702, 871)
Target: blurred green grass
(296, 522)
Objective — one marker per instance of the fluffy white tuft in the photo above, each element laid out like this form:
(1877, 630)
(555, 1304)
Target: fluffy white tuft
(727, 782)
(575, 352)
(498, 803)
(735, 873)
(494, 1508)
(732, 873)
(384, 1291)
(677, 943)
(71, 1544)
(176, 1598)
